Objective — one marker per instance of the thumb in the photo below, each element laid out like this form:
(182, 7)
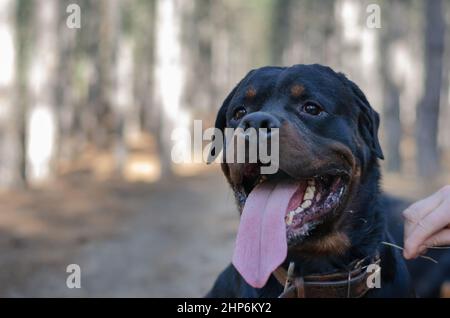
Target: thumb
(408, 253)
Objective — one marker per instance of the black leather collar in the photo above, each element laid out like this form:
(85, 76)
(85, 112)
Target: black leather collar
(349, 284)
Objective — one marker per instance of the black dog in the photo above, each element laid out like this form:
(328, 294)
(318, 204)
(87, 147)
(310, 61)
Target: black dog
(329, 149)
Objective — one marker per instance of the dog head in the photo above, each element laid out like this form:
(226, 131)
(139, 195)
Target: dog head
(328, 145)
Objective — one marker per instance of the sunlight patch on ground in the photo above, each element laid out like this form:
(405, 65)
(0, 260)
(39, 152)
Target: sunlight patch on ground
(192, 169)
(143, 168)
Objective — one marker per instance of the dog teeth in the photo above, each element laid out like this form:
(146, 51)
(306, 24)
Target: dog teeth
(306, 204)
(309, 194)
(262, 179)
(290, 217)
(298, 210)
(291, 214)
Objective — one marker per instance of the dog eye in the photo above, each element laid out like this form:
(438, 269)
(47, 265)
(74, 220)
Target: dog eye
(239, 113)
(312, 109)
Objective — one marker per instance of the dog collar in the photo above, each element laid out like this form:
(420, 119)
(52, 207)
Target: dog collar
(350, 284)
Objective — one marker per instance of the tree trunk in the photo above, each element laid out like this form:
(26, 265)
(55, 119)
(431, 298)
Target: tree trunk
(64, 95)
(41, 126)
(24, 29)
(197, 39)
(126, 120)
(144, 35)
(101, 123)
(391, 33)
(428, 109)
(10, 149)
(392, 125)
(280, 30)
(169, 77)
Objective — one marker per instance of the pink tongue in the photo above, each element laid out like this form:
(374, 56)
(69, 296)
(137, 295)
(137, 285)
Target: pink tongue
(261, 244)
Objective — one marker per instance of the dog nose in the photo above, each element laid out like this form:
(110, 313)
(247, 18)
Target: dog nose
(260, 120)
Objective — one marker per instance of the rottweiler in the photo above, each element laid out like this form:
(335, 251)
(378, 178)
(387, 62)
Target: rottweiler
(314, 228)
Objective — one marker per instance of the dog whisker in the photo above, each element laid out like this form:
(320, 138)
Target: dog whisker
(401, 248)
(438, 247)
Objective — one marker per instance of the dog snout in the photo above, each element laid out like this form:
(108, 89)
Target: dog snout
(260, 120)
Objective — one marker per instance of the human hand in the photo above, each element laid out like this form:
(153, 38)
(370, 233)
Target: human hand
(427, 223)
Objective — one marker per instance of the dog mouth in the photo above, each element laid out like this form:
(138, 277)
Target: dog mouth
(317, 200)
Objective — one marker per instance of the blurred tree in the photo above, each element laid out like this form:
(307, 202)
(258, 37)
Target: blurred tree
(169, 77)
(327, 29)
(223, 33)
(349, 22)
(24, 35)
(391, 34)
(197, 44)
(281, 26)
(101, 122)
(25, 41)
(10, 150)
(42, 123)
(444, 112)
(428, 108)
(142, 24)
(122, 102)
(64, 99)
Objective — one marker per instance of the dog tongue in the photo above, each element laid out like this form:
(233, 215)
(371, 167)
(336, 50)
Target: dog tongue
(261, 244)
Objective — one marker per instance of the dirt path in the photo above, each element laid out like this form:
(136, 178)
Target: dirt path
(168, 239)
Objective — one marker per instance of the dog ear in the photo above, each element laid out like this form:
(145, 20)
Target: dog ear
(369, 120)
(221, 119)
(221, 122)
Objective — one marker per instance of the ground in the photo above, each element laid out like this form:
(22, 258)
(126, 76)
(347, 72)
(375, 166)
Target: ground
(162, 239)
(169, 238)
